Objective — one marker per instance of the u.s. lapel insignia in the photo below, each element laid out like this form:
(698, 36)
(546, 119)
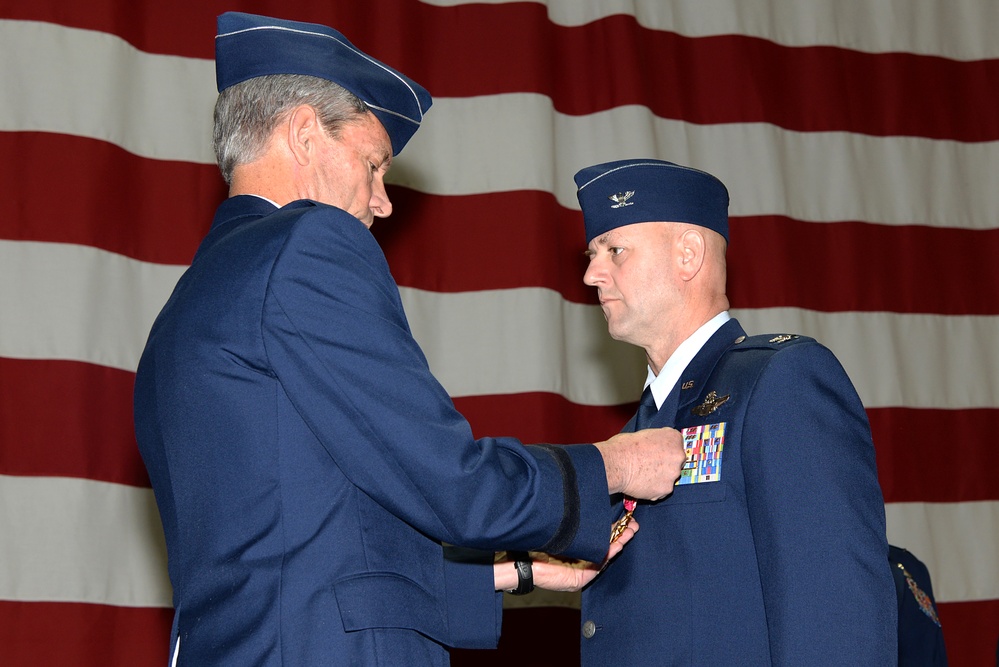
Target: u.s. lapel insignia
(689, 384)
(711, 403)
(621, 199)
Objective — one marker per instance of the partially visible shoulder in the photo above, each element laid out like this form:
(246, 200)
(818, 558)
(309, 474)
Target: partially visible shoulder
(786, 358)
(314, 222)
(313, 211)
(772, 350)
(772, 341)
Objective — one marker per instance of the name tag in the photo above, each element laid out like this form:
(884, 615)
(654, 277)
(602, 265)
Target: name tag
(704, 445)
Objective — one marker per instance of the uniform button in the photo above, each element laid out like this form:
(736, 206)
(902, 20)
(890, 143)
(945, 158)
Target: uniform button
(589, 629)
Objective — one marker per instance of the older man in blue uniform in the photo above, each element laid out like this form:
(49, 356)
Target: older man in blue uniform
(772, 548)
(306, 464)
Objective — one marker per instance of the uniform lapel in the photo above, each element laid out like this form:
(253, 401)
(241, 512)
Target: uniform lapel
(698, 371)
(692, 380)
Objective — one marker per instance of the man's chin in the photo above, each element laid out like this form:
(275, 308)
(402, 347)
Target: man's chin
(614, 332)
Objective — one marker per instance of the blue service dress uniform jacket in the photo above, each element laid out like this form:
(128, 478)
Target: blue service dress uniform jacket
(782, 560)
(920, 635)
(307, 466)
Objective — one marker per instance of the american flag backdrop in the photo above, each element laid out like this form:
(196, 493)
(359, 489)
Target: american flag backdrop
(859, 140)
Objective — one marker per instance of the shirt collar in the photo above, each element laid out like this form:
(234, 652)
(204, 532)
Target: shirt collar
(669, 375)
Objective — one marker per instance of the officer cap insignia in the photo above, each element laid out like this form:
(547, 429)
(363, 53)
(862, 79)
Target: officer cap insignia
(621, 199)
(670, 192)
(711, 403)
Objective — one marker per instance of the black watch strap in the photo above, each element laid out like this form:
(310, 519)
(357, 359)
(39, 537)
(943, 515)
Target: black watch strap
(525, 573)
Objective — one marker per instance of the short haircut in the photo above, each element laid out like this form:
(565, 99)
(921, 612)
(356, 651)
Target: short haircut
(247, 113)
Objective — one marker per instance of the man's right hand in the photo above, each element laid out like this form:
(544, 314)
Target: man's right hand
(644, 464)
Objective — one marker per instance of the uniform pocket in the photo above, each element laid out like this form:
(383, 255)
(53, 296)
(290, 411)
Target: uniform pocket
(701, 480)
(704, 492)
(387, 600)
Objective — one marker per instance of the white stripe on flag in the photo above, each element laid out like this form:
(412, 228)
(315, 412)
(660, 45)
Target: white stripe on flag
(164, 111)
(958, 542)
(893, 359)
(76, 540)
(959, 29)
(94, 84)
(813, 176)
(62, 301)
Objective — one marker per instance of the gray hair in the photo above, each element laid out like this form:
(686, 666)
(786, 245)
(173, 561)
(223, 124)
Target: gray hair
(247, 113)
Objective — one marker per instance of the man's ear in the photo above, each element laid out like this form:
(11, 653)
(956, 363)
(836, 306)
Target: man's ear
(690, 253)
(302, 129)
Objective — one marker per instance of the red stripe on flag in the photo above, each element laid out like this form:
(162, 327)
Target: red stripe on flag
(723, 79)
(475, 242)
(68, 419)
(542, 417)
(497, 240)
(971, 632)
(75, 419)
(936, 456)
(777, 261)
(152, 210)
(119, 202)
(911, 454)
(605, 64)
(82, 635)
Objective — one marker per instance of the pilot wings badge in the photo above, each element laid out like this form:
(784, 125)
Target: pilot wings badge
(711, 403)
(621, 199)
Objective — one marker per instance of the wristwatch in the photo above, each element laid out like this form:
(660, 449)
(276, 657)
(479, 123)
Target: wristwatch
(525, 574)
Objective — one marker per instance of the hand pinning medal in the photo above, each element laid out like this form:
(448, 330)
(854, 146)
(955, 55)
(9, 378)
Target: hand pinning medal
(622, 523)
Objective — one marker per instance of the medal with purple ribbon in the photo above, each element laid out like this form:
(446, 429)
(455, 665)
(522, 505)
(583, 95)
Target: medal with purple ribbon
(622, 523)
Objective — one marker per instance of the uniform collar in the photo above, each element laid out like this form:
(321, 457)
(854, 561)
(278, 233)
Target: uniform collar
(242, 206)
(232, 211)
(682, 357)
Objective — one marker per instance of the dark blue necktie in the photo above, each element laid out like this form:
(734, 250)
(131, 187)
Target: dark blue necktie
(646, 409)
(646, 413)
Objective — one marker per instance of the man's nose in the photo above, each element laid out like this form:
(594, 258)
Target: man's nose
(381, 205)
(594, 274)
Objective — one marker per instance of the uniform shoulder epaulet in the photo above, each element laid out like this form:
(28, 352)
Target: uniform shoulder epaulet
(770, 341)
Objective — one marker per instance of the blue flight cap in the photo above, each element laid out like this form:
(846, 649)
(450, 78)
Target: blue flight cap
(249, 46)
(615, 194)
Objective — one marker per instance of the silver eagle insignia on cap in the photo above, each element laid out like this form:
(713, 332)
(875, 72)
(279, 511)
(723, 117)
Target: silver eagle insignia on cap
(622, 198)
